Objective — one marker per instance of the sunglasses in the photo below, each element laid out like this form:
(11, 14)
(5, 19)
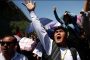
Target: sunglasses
(8, 43)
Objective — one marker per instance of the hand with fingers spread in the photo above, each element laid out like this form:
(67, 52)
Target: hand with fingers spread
(30, 5)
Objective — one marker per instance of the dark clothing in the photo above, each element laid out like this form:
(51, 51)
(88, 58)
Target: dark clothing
(56, 53)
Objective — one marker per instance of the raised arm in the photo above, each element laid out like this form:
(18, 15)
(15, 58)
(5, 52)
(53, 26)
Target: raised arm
(56, 16)
(30, 5)
(41, 32)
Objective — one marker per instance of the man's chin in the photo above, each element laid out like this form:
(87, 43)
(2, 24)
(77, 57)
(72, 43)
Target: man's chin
(58, 42)
(5, 52)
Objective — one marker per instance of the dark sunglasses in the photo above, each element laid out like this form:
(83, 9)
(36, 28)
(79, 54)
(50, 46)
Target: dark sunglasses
(8, 43)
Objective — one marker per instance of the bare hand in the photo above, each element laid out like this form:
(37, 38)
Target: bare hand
(54, 8)
(30, 5)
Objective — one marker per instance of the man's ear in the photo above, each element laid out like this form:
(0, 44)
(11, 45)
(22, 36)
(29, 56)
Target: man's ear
(16, 47)
(67, 34)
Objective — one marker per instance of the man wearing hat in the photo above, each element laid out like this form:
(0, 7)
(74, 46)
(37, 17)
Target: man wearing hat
(55, 48)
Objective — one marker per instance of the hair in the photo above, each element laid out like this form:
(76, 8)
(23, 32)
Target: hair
(14, 38)
(59, 27)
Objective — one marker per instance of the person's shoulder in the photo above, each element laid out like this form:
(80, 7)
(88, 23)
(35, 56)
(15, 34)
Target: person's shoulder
(21, 56)
(2, 56)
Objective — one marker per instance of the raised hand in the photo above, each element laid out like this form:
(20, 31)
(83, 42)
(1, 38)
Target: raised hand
(30, 5)
(54, 8)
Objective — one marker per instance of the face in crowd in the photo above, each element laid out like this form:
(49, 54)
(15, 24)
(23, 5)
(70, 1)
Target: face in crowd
(8, 45)
(60, 36)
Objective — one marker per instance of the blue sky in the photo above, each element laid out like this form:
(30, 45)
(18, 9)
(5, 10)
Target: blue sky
(44, 8)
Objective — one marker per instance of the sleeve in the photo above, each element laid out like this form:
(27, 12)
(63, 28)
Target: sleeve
(57, 18)
(38, 50)
(41, 33)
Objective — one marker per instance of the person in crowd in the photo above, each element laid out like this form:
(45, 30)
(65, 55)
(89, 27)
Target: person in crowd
(70, 21)
(57, 48)
(80, 19)
(83, 22)
(27, 45)
(77, 36)
(9, 49)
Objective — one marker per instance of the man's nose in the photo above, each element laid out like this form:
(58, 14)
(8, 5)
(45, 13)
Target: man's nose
(5, 44)
(58, 33)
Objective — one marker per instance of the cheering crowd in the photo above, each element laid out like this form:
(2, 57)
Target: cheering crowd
(66, 41)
